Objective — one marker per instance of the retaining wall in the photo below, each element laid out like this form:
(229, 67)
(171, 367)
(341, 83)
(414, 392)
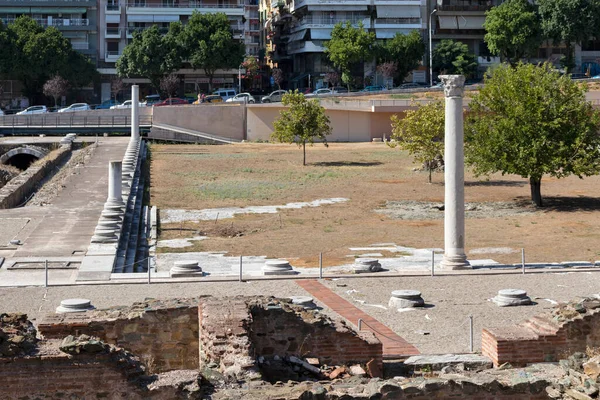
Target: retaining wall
(20, 187)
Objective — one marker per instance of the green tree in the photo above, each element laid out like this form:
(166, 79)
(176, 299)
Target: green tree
(513, 30)
(421, 133)
(569, 22)
(349, 46)
(36, 54)
(452, 57)
(405, 50)
(151, 55)
(530, 121)
(304, 122)
(210, 45)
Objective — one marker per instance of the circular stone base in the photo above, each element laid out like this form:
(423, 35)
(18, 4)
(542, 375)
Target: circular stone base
(111, 215)
(406, 299)
(278, 267)
(74, 305)
(304, 301)
(364, 265)
(183, 269)
(511, 297)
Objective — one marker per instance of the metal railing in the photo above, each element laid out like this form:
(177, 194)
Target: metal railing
(397, 21)
(316, 20)
(181, 4)
(69, 120)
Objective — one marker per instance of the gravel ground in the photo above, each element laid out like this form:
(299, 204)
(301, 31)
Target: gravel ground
(36, 302)
(451, 299)
(51, 186)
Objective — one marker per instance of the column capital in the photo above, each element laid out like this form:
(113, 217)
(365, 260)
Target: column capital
(454, 85)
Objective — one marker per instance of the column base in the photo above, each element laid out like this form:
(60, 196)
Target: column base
(455, 262)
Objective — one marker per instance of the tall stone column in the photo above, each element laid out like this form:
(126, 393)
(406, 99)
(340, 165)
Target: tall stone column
(115, 197)
(135, 112)
(454, 175)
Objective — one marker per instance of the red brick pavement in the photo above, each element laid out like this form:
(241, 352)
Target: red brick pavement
(394, 346)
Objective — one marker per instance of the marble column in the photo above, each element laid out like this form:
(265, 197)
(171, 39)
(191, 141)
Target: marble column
(135, 112)
(454, 171)
(115, 197)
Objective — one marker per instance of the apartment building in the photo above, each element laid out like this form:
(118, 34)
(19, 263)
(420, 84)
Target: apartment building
(76, 19)
(119, 19)
(294, 31)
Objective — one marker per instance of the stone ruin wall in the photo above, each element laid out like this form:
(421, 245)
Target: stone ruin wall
(277, 331)
(56, 376)
(567, 329)
(163, 333)
(17, 189)
(229, 333)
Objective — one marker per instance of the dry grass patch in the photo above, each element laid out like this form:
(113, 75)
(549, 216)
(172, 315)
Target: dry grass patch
(369, 175)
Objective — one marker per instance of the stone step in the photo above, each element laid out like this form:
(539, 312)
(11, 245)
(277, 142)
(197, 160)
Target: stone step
(542, 325)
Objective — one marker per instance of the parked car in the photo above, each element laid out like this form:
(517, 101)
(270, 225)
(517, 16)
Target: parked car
(319, 92)
(1, 112)
(410, 86)
(579, 76)
(126, 104)
(241, 98)
(225, 94)
(274, 97)
(34, 110)
(373, 89)
(171, 101)
(107, 104)
(339, 89)
(213, 98)
(152, 99)
(76, 107)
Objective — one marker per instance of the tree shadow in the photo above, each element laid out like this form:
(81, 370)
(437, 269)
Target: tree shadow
(346, 163)
(563, 204)
(496, 183)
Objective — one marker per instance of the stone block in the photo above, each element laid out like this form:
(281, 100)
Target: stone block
(406, 299)
(511, 297)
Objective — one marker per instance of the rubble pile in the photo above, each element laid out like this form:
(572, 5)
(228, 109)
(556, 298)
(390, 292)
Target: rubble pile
(573, 309)
(581, 380)
(17, 335)
(282, 369)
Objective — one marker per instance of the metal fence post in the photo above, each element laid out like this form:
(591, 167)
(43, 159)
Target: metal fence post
(470, 333)
(149, 268)
(241, 268)
(46, 268)
(432, 262)
(321, 265)
(523, 260)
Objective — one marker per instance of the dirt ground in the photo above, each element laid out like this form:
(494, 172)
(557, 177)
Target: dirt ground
(369, 175)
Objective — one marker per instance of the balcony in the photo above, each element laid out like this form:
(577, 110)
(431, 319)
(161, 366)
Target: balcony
(111, 56)
(183, 7)
(404, 23)
(113, 33)
(112, 9)
(308, 46)
(132, 30)
(80, 46)
(466, 5)
(311, 21)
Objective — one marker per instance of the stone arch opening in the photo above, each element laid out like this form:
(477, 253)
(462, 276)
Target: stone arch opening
(21, 161)
(21, 157)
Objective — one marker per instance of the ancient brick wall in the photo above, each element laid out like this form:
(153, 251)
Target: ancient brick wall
(288, 330)
(224, 338)
(164, 334)
(549, 337)
(60, 376)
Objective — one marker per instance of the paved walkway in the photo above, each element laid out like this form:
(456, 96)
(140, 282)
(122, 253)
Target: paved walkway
(394, 347)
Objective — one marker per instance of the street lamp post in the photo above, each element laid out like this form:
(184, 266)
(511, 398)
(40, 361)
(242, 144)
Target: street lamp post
(431, 50)
(240, 78)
